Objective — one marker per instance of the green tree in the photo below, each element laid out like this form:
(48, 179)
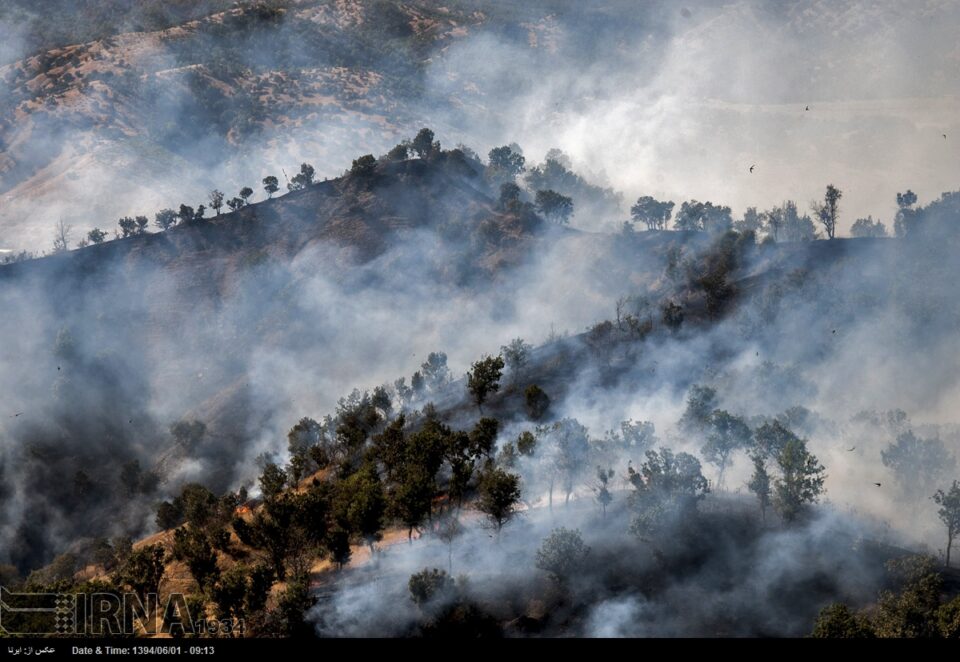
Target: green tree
(271, 185)
(828, 211)
(272, 481)
(504, 164)
(667, 488)
(430, 586)
(866, 227)
(537, 402)
(499, 496)
(701, 403)
(603, 488)
(364, 166)
(837, 621)
(949, 513)
(760, 483)
(562, 554)
(554, 206)
(800, 481)
(516, 355)
(653, 213)
(917, 462)
(216, 200)
(165, 219)
(303, 179)
(509, 197)
(484, 378)
(362, 504)
(423, 144)
(96, 236)
(143, 570)
(726, 433)
(526, 443)
(193, 547)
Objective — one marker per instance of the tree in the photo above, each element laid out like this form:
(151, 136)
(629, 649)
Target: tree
(726, 434)
(303, 179)
(271, 185)
(698, 216)
(272, 481)
(603, 490)
(235, 204)
(96, 236)
(760, 483)
(949, 513)
(338, 542)
(423, 144)
(837, 621)
(701, 403)
(917, 462)
(562, 554)
(216, 200)
(141, 223)
(499, 496)
(364, 166)
(906, 217)
(865, 227)
(667, 488)
(516, 355)
(568, 450)
(434, 371)
(193, 547)
(165, 219)
(651, 212)
(61, 237)
(186, 214)
(245, 194)
(361, 505)
(483, 437)
(556, 207)
(504, 164)
(537, 402)
(448, 530)
(128, 227)
(800, 481)
(526, 443)
(399, 152)
(828, 211)
(143, 570)
(509, 196)
(795, 227)
(430, 586)
(484, 378)
(751, 221)
(672, 314)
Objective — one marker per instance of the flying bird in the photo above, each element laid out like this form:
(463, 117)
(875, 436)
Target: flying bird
(851, 449)
(834, 331)
(752, 167)
(944, 136)
(807, 108)
(17, 414)
(877, 484)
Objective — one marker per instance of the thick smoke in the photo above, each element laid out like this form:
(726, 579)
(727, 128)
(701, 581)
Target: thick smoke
(99, 356)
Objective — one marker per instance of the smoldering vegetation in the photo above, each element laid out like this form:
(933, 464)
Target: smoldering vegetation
(694, 458)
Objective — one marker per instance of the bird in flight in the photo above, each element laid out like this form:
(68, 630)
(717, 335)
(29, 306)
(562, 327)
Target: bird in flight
(834, 330)
(851, 449)
(752, 167)
(807, 108)
(944, 136)
(877, 484)
(17, 414)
